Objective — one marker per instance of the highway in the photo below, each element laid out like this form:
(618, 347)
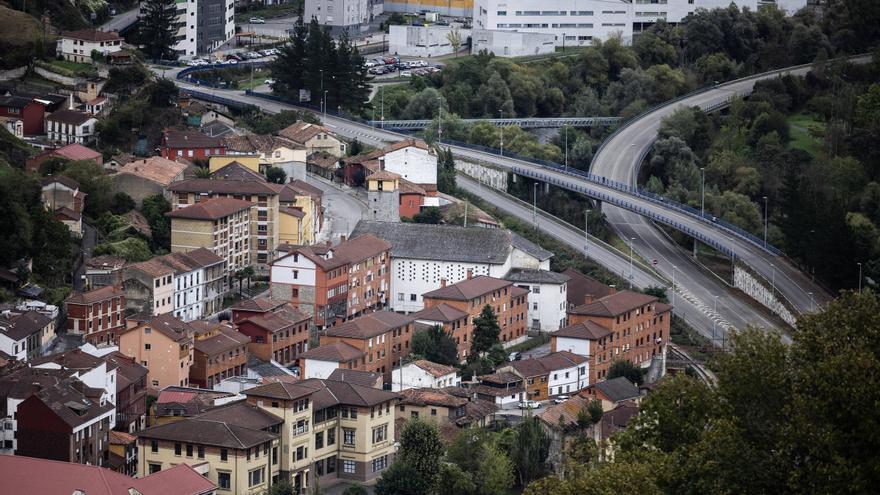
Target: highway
(120, 21)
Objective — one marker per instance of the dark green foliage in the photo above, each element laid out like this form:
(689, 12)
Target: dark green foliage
(12, 150)
(445, 171)
(402, 478)
(93, 181)
(124, 80)
(281, 488)
(431, 214)
(154, 209)
(595, 411)
(417, 466)
(435, 345)
(355, 148)
(271, 123)
(156, 29)
(486, 331)
(528, 450)
(276, 175)
(355, 490)
(122, 203)
(163, 92)
(627, 370)
(658, 292)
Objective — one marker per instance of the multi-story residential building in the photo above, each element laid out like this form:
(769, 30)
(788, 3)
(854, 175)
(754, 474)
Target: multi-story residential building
(332, 429)
(77, 46)
(65, 421)
(90, 370)
(556, 374)
(98, 315)
(334, 282)
(123, 453)
(131, 392)
(313, 137)
(582, 289)
(340, 15)
(221, 225)
(104, 270)
(27, 110)
(637, 325)
(147, 177)
(414, 161)
(580, 338)
(548, 297)
(264, 222)
(219, 353)
(23, 336)
(423, 256)
(62, 192)
(580, 22)
(71, 126)
(446, 407)
(471, 295)
(237, 447)
(148, 287)
(280, 336)
(384, 337)
(29, 475)
(189, 145)
(176, 403)
(452, 8)
(254, 307)
(301, 202)
(164, 345)
(201, 27)
(424, 374)
(16, 385)
(503, 388)
(324, 360)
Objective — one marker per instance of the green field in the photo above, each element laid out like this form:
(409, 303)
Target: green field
(806, 132)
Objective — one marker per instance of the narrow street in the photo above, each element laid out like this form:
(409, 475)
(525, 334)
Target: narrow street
(342, 208)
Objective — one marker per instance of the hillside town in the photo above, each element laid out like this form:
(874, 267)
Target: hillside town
(403, 248)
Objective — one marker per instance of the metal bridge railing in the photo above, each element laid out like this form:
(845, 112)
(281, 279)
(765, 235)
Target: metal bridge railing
(525, 123)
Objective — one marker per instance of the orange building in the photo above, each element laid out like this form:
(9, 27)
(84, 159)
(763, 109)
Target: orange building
(162, 344)
(334, 282)
(470, 296)
(384, 337)
(219, 353)
(637, 328)
(280, 336)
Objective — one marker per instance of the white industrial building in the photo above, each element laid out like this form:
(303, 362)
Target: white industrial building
(423, 41)
(512, 43)
(548, 293)
(423, 256)
(424, 374)
(355, 15)
(578, 22)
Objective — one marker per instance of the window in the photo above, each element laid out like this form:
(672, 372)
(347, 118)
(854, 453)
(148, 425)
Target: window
(155, 468)
(433, 412)
(224, 480)
(300, 453)
(177, 449)
(348, 467)
(154, 446)
(400, 296)
(354, 413)
(331, 464)
(348, 437)
(380, 433)
(189, 450)
(319, 440)
(331, 436)
(256, 477)
(380, 463)
(201, 451)
(274, 455)
(224, 455)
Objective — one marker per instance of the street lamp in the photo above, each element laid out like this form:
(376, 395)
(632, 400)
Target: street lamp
(586, 231)
(565, 128)
(702, 191)
(382, 93)
(632, 241)
(535, 203)
(811, 300)
(501, 129)
(860, 278)
(714, 319)
(563, 42)
(325, 104)
(439, 120)
(765, 222)
(773, 277)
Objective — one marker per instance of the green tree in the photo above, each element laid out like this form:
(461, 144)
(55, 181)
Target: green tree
(402, 478)
(355, 490)
(486, 332)
(454, 38)
(163, 93)
(529, 450)
(154, 209)
(430, 215)
(495, 473)
(453, 479)
(156, 29)
(435, 345)
(288, 68)
(445, 171)
(281, 488)
(93, 181)
(422, 448)
(276, 175)
(627, 370)
(594, 409)
(122, 203)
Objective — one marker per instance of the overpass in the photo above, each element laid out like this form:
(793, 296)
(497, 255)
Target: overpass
(525, 123)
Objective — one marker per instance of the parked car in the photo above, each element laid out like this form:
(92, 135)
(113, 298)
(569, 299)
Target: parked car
(270, 82)
(515, 356)
(419, 63)
(257, 20)
(405, 73)
(391, 60)
(230, 61)
(234, 56)
(112, 11)
(560, 399)
(529, 404)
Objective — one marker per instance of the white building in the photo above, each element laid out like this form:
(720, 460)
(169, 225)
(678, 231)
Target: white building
(412, 160)
(548, 292)
(423, 41)
(512, 43)
(354, 15)
(87, 368)
(202, 26)
(71, 126)
(321, 361)
(423, 255)
(195, 273)
(579, 338)
(578, 22)
(565, 372)
(424, 374)
(77, 46)
(24, 335)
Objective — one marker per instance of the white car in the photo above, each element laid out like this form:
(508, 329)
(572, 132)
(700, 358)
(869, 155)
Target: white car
(231, 61)
(406, 73)
(560, 399)
(257, 20)
(369, 64)
(270, 82)
(529, 404)
(419, 63)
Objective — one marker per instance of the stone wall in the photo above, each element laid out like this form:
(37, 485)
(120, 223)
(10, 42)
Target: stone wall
(757, 288)
(58, 78)
(8, 75)
(487, 175)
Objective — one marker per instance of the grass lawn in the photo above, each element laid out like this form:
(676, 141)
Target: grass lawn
(281, 10)
(74, 67)
(805, 132)
(246, 83)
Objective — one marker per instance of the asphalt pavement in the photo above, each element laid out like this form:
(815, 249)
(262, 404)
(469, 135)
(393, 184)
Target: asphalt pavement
(120, 21)
(342, 208)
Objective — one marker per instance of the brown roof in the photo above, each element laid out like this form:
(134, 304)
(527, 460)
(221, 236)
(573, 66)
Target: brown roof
(587, 330)
(248, 143)
(211, 209)
(407, 187)
(190, 139)
(384, 175)
(580, 286)
(223, 186)
(258, 304)
(93, 296)
(291, 190)
(70, 117)
(567, 410)
(430, 397)
(128, 370)
(405, 143)
(323, 159)
(121, 438)
(106, 261)
(357, 377)
(280, 320)
(300, 132)
(337, 352)
(331, 392)
(351, 251)
(74, 359)
(440, 312)
(209, 432)
(547, 364)
(171, 327)
(17, 327)
(237, 171)
(73, 402)
(500, 378)
(66, 213)
(60, 179)
(281, 390)
(370, 325)
(294, 212)
(91, 35)
(153, 267)
(434, 369)
(240, 413)
(224, 340)
(76, 151)
(614, 304)
(155, 168)
(468, 289)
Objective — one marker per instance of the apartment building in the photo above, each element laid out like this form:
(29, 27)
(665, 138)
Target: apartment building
(454, 322)
(254, 307)
(548, 297)
(190, 144)
(302, 202)
(280, 336)
(625, 325)
(221, 225)
(77, 46)
(24, 335)
(104, 270)
(508, 302)
(324, 360)
(263, 222)
(313, 137)
(236, 447)
(71, 126)
(333, 282)
(131, 391)
(148, 287)
(219, 352)
(332, 429)
(90, 370)
(446, 407)
(424, 255)
(98, 315)
(202, 26)
(556, 374)
(164, 345)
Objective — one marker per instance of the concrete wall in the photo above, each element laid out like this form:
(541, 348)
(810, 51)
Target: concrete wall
(58, 78)
(8, 75)
(423, 41)
(511, 43)
(453, 8)
(138, 188)
(383, 206)
(487, 175)
(758, 290)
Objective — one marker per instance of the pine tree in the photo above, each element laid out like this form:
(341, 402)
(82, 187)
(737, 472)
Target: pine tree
(486, 331)
(157, 30)
(289, 66)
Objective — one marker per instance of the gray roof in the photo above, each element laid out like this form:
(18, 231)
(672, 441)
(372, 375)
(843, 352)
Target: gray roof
(529, 247)
(534, 276)
(440, 242)
(618, 389)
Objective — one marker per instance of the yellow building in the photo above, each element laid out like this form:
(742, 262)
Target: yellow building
(332, 429)
(302, 227)
(216, 162)
(236, 446)
(290, 227)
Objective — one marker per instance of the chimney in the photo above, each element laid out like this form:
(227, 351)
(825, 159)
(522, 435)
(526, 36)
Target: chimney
(470, 273)
(588, 298)
(70, 103)
(342, 238)
(613, 289)
(442, 282)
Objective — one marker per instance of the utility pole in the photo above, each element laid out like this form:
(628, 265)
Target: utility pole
(465, 212)
(702, 191)
(565, 128)
(382, 92)
(765, 222)
(586, 231)
(501, 128)
(632, 241)
(535, 206)
(325, 104)
(439, 120)
(773, 276)
(860, 278)
(673, 287)
(323, 94)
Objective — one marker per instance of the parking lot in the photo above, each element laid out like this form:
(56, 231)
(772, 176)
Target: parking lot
(392, 67)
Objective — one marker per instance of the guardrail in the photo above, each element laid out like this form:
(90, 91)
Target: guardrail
(185, 74)
(200, 95)
(525, 123)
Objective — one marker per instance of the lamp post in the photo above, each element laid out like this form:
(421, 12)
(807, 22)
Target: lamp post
(586, 231)
(501, 129)
(382, 93)
(565, 128)
(563, 42)
(322, 93)
(860, 278)
(673, 287)
(325, 104)
(535, 203)
(632, 241)
(811, 300)
(702, 191)
(773, 277)
(765, 222)
(439, 120)
(714, 320)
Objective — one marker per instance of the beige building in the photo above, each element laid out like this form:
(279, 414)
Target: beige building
(272, 150)
(236, 446)
(162, 344)
(291, 227)
(264, 220)
(252, 162)
(146, 177)
(446, 407)
(305, 198)
(149, 287)
(219, 224)
(332, 429)
(313, 138)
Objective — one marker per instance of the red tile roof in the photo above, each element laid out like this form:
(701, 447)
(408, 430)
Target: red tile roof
(468, 289)
(211, 209)
(615, 304)
(441, 312)
(190, 139)
(587, 330)
(76, 152)
(155, 168)
(300, 132)
(93, 296)
(91, 35)
(338, 352)
(370, 325)
(434, 369)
